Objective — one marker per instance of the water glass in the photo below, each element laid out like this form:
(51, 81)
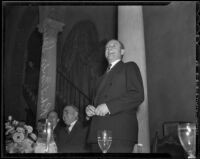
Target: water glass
(187, 137)
(104, 138)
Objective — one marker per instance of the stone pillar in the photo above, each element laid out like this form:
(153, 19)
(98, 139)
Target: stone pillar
(131, 34)
(47, 81)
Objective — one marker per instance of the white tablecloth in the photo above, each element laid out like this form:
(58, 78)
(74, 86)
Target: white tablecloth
(41, 147)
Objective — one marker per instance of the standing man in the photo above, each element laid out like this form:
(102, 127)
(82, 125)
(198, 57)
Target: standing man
(119, 93)
(71, 136)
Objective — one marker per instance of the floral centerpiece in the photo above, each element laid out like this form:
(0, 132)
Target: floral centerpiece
(19, 137)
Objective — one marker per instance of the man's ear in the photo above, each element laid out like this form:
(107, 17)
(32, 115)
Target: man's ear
(122, 52)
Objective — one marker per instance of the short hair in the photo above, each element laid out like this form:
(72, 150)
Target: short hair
(121, 44)
(51, 112)
(42, 120)
(73, 106)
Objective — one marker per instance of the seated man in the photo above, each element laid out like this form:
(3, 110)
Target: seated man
(52, 117)
(71, 136)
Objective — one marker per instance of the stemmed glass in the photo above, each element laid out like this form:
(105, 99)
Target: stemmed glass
(104, 140)
(187, 137)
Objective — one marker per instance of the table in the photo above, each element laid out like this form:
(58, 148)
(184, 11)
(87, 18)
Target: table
(40, 147)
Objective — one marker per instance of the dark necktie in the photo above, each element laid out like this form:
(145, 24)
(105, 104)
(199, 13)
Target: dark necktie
(109, 67)
(67, 129)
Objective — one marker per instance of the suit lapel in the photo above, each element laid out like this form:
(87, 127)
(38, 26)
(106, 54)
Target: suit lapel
(107, 77)
(114, 71)
(101, 84)
(73, 131)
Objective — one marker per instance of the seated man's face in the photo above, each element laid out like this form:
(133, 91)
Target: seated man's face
(41, 126)
(69, 115)
(53, 118)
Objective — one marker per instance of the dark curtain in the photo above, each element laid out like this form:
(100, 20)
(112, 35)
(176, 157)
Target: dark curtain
(31, 75)
(32, 69)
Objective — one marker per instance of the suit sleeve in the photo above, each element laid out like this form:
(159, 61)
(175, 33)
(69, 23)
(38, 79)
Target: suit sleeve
(134, 94)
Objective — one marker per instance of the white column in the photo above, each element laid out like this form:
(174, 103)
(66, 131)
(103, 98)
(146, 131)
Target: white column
(131, 34)
(47, 81)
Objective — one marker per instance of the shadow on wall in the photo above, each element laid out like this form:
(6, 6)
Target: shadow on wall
(83, 60)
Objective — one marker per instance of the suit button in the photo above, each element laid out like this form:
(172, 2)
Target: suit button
(106, 96)
(110, 84)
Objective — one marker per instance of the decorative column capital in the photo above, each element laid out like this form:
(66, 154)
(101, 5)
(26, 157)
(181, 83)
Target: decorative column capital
(50, 26)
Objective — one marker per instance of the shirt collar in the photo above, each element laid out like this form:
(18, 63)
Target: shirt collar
(72, 125)
(114, 63)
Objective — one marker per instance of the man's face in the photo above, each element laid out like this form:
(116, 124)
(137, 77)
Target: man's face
(113, 51)
(53, 118)
(69, 115)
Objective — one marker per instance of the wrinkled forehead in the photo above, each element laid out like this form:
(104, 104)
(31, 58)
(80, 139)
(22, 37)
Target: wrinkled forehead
(113, 43)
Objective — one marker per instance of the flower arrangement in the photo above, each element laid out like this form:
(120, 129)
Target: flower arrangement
(19, 137)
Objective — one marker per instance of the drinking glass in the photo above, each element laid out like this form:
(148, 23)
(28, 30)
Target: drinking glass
(187, 137)
(104, 140)
(138, 148)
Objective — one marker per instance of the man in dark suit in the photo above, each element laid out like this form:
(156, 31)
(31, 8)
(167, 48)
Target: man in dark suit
(119, 93)
(71, 135)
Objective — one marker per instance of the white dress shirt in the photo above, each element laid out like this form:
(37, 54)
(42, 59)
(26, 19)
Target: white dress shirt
(72, 125)
(114, 63)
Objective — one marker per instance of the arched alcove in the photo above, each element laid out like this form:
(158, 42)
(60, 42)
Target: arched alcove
(32, 63)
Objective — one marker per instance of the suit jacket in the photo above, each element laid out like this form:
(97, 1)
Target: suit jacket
(122, 90)
(74, 142)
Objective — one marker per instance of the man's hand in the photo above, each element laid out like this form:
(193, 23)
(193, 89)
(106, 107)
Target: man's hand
(102, 110)
(90, 110)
